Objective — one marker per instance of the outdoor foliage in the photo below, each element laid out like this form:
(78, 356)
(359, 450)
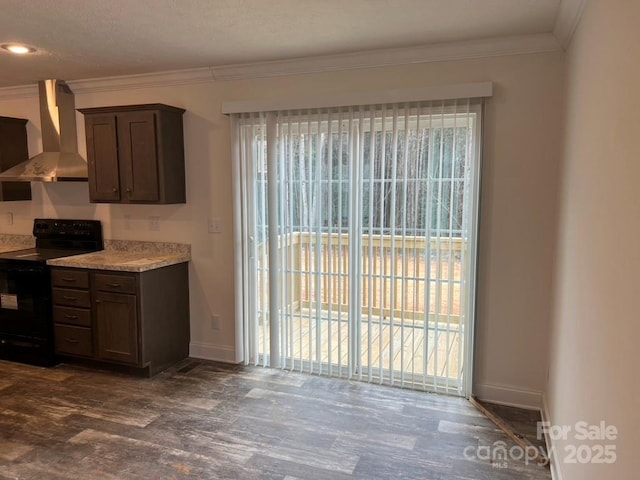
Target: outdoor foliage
(315, 172)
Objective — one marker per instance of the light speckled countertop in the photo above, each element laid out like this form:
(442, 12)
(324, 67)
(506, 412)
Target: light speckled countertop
(12, 247)
(128, 256)
(11, 243)
(121, 255)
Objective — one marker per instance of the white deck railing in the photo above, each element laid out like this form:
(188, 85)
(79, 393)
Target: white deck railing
(394, 270)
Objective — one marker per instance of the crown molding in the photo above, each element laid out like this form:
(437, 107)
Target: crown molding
(391, 57)
(123, 82)
(145, 80)
(21, 91)
(569, 15)
(518, 45)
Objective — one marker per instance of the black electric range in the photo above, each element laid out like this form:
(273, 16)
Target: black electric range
(26, 320)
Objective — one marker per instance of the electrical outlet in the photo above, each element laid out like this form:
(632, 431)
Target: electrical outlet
(215, 321)
(9, 218)
(154, 223)
(215, 225)
(127, 222)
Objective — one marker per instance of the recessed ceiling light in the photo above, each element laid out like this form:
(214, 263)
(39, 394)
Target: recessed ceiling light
(17, 48)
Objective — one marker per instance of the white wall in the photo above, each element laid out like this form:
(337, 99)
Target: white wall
(596, 328)
(522, 135)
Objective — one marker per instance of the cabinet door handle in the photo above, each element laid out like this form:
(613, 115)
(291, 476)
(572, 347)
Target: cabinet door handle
(128, 190)
(71, 340)
(70, 298)
(70, 317)
(114, 285)
(68, 279)
(115, 189)
(98, 301)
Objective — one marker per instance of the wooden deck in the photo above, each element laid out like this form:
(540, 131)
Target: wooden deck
(401, 281)
(412, 348)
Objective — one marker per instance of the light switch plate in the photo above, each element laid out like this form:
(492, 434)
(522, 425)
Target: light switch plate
(154, 223)
(215, 225)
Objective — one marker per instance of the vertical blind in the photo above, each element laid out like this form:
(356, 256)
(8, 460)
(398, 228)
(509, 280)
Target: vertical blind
(359, 240)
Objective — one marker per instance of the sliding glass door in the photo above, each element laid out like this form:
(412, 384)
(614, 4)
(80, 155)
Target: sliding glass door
(360, 232)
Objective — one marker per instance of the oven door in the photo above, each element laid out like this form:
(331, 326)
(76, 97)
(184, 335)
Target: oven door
(25, 300)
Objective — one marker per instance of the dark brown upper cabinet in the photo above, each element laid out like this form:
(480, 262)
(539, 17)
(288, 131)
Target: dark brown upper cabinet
(135, 154)
(13, 150)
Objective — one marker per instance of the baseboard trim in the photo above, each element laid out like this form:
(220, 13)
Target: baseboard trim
(556, 473)
(208, 351)
(508, 395)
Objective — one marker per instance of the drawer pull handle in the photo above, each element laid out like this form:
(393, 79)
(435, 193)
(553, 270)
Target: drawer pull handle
(71, 340)
(71, 299)
(68, 279)
(71, 317)
(114, 285)
(98, 301)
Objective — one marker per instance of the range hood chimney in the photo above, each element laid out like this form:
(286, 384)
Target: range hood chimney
(60, 160)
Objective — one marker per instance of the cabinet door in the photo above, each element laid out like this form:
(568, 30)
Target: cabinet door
(117, 323)
(13, 150)
(102, 158)
(138, 156)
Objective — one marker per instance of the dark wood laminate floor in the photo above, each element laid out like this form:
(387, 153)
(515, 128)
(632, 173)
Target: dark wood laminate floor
(211, 421)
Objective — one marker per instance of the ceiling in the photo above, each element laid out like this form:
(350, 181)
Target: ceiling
(80, 39)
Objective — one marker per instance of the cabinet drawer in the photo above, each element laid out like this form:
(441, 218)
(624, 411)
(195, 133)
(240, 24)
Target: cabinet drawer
(73, 340)
(114, 283)
(72, 316)
(69, 278)
(71, 298)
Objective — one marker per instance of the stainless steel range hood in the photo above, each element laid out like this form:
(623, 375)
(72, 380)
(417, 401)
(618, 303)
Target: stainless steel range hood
(60, 160)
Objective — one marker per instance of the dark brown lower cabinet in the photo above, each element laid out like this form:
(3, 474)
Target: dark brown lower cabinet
(117, 327)
(135, 320)
(72, 340)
